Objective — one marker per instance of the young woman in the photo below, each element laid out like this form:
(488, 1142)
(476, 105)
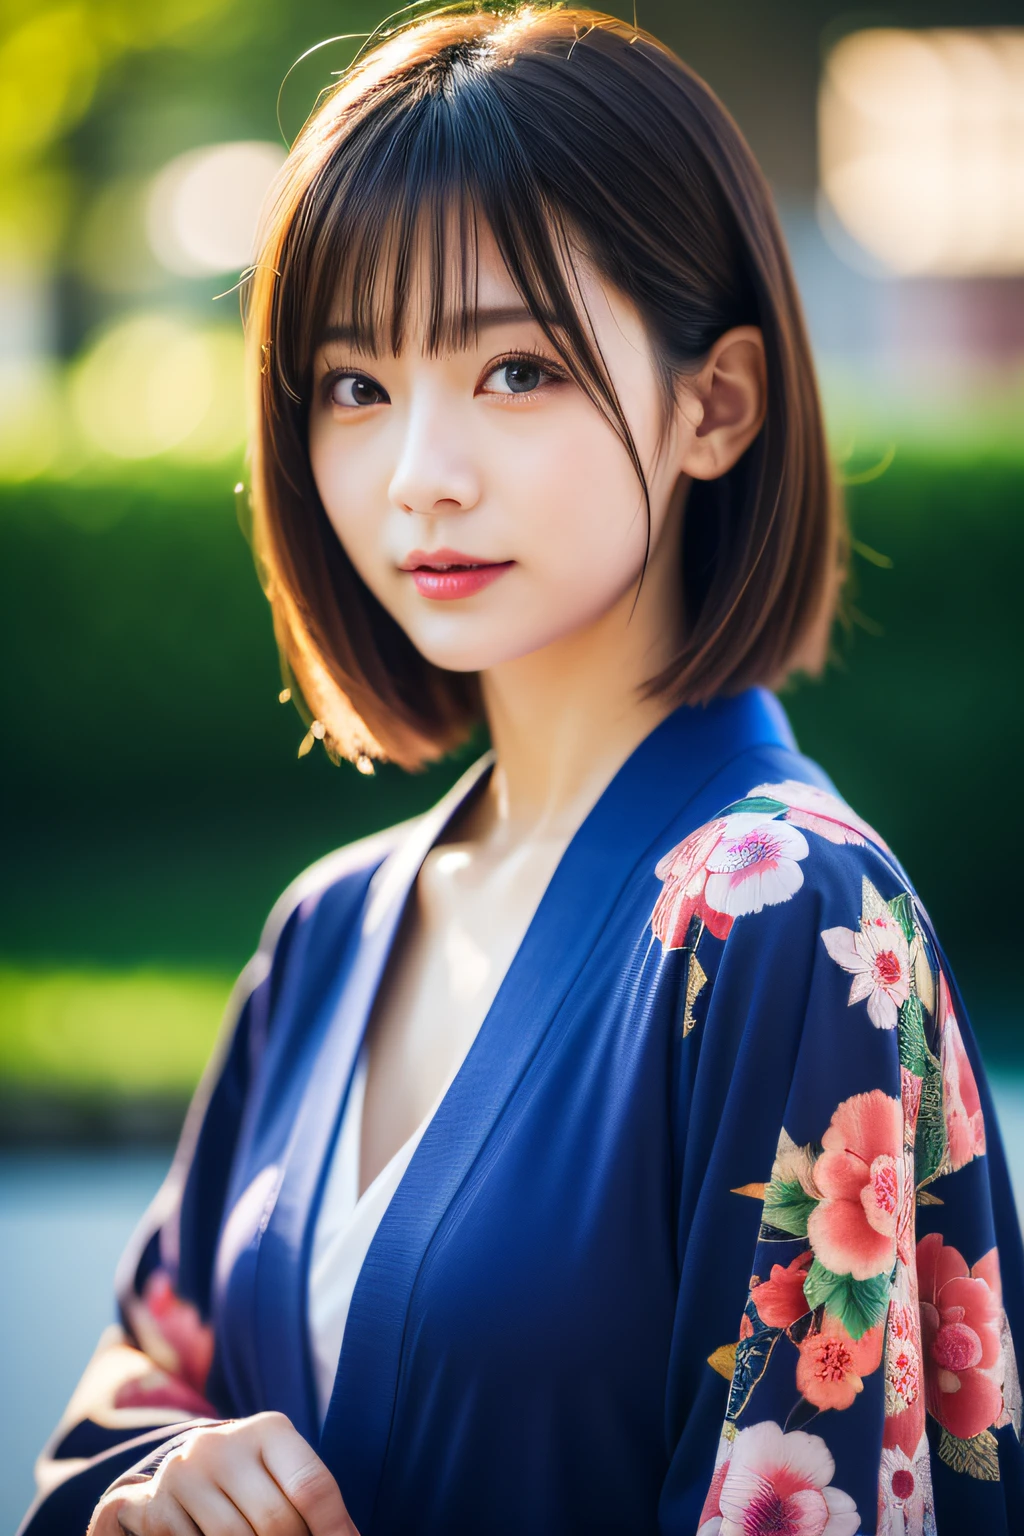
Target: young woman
(605, 1150)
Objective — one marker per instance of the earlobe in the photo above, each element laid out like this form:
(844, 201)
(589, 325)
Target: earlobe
(732, 390)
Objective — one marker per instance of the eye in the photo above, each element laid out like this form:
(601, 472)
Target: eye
(350, 390)
(520, 375)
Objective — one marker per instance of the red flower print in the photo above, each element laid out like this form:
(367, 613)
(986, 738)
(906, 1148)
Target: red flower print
(157, 1389)
(831, 1366)
(780, 1300)
(172, 1333)
(960, 1323)
(853, 1229)
(965, 1125)
(906, 1505)
(684, 871)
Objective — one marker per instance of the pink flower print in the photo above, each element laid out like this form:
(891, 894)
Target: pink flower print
(780, 1300)
(732, 866)
(910, 1099)
(961, 1320)
(711, 1514)
(853, 1229)
(878, 956)
(832, 1365)
(776, 1484)
(755, 864)
(987, 1269)
(965, 1124)
(910, 1094)
(1005, 1374)
(157, 1389)
(904, 1389)
(817, 811)
(684, 871)
(172, 1333)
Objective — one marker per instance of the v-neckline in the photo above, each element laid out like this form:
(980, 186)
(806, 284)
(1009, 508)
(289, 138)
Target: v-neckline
(665, 772)
(342, 1016)
(360, 1074)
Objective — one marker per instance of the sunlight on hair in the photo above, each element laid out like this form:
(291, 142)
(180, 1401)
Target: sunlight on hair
(203, 206)
(921, 139)
(152, 384)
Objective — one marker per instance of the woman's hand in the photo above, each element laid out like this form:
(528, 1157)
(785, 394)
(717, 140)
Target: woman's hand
(252, 1477)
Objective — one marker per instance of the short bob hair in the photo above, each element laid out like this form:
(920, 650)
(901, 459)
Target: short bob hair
(560, 130)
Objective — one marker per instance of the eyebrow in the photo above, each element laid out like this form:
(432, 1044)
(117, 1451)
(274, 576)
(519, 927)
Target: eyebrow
(481, 320)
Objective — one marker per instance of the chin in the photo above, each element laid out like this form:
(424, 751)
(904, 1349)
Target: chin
(474, 653)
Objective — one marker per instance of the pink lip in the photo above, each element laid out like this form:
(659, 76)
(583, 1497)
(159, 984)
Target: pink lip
(437, 574)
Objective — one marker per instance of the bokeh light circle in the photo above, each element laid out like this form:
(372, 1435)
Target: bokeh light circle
(151, 384)
(203, 206)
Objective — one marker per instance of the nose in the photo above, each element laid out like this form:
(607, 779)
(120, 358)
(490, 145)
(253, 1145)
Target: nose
(435, 472)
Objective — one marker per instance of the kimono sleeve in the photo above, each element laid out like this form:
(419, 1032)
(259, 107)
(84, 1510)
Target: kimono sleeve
(149, 1377)
(849, 1249)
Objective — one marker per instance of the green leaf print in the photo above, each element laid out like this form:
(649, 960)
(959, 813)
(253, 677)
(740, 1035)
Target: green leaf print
(913, 1045)
(858, 1304)
(759, 805)
(931, 1150)
(902, 909)
(787, 1205)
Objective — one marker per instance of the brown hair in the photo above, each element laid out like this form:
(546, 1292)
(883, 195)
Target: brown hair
(555, 128)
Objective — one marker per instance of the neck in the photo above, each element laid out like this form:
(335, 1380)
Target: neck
(564, 719)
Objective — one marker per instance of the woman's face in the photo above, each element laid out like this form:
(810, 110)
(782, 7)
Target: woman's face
(482, 497)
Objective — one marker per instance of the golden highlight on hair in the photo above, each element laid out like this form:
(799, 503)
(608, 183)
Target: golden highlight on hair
(566, 134)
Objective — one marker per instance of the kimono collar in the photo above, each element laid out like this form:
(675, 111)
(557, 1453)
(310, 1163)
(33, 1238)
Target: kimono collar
(661, 777)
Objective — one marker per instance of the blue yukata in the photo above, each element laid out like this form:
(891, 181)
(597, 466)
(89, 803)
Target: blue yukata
(712, 1232)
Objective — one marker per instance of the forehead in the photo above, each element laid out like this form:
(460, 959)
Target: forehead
(459, 291)
(435, 297)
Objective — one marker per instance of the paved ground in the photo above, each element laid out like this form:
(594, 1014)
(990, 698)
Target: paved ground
(64, 1219)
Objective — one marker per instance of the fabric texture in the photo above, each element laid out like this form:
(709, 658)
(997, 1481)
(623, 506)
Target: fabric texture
(712, 1232)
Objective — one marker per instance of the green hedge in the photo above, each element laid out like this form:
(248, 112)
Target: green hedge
(158, 805)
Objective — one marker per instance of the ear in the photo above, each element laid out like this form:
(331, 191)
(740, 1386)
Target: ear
(724, 404)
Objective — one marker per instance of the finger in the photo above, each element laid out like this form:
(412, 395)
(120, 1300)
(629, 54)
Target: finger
(306, 1482)
(143, 1511)
(265, 1505)
(216, 1515)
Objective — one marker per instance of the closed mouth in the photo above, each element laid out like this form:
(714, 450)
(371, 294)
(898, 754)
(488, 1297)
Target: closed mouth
(446, 560)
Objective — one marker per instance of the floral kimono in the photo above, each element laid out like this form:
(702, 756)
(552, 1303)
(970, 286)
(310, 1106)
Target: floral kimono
(711, 1235)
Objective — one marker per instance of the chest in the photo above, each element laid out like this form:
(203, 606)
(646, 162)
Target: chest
(464, 922)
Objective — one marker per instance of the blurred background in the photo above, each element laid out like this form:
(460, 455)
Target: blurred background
(154, 803)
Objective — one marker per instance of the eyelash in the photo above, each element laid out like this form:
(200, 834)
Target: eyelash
(556, 374)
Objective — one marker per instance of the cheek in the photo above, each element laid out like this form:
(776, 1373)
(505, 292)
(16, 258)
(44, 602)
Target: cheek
(351, 477)
(559, 496)
(578, 507)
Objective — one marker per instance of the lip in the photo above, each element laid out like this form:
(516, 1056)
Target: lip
(444, 574)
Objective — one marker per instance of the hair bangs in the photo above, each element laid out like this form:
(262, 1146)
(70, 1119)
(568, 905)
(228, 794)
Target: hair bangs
(576, 143)
(393, 228)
